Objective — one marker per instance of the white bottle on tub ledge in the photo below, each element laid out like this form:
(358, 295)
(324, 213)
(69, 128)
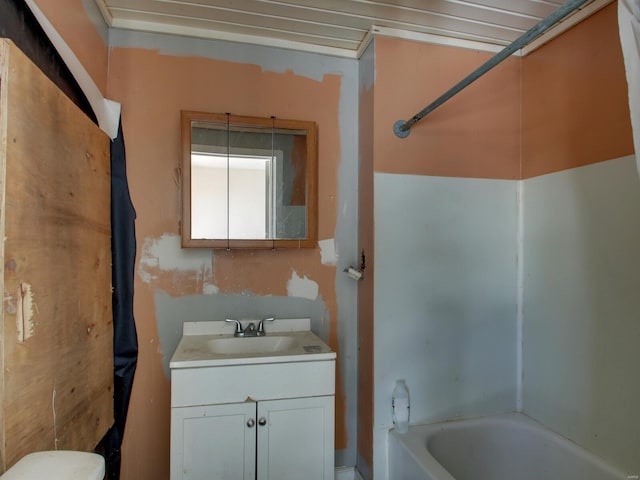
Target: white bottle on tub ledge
(400, 407)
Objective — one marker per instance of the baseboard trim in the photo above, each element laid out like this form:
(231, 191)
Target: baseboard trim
(347, 473)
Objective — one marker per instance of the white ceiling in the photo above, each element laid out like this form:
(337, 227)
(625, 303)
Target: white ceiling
(338, 27)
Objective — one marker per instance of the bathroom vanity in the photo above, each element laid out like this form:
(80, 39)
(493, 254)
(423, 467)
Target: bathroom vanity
(254, 407)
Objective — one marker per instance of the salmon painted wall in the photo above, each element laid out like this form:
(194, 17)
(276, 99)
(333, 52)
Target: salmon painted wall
(575, 104)
(475, 134)
(154, 77)
(80, 24)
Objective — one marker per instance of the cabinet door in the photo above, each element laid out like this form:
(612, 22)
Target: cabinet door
(296, 440)
(213, 442)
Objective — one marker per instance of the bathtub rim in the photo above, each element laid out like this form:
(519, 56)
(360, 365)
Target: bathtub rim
(416, 440)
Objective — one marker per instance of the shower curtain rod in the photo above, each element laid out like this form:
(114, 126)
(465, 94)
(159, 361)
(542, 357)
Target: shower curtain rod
(402, 128)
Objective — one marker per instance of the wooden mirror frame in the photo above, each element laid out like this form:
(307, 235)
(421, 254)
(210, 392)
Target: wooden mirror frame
(311, 181)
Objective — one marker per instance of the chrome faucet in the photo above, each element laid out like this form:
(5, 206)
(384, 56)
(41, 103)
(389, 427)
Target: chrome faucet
(250, 330)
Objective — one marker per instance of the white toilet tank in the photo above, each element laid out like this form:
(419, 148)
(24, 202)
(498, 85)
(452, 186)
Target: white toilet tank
(57, 465)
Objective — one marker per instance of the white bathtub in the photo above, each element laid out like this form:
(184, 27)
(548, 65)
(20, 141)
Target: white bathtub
(505, 447)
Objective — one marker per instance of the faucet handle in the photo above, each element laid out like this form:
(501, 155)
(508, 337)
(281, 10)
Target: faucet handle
(239, 332)
(261, 324)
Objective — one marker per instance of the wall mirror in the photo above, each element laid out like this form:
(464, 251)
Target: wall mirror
(248, 182)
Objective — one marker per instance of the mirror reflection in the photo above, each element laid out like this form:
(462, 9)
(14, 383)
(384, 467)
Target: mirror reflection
(248, 181)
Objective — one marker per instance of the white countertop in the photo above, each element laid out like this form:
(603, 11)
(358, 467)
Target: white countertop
(194, 348)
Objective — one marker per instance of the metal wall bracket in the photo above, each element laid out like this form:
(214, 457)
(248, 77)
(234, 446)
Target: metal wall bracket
(397, 129)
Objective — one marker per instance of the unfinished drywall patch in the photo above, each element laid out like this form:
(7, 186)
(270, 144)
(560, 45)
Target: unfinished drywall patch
(302, 287)
(328, 252)
(270, 59)
(346, 244)
(172, 312)
(164, 254)
(210, 289)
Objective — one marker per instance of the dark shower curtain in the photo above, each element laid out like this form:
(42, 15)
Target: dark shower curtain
(125, 338)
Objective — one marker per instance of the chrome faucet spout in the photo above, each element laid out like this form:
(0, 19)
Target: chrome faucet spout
(250, 330)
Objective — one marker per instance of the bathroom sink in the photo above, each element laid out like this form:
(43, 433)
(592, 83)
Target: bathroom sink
(250, 345)
(210, 344)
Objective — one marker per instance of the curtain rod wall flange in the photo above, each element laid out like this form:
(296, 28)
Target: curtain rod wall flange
(399, 131)
(401, 128)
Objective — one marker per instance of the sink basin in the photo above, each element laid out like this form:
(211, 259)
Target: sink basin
(210, 344)
(250, 345)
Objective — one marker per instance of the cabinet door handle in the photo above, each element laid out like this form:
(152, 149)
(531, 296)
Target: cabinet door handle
(262, 422)
(251, 422)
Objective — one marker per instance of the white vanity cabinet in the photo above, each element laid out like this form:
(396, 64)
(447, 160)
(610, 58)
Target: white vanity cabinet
(213, 441)
(296, 441)
(275, 439)
(261, 415)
